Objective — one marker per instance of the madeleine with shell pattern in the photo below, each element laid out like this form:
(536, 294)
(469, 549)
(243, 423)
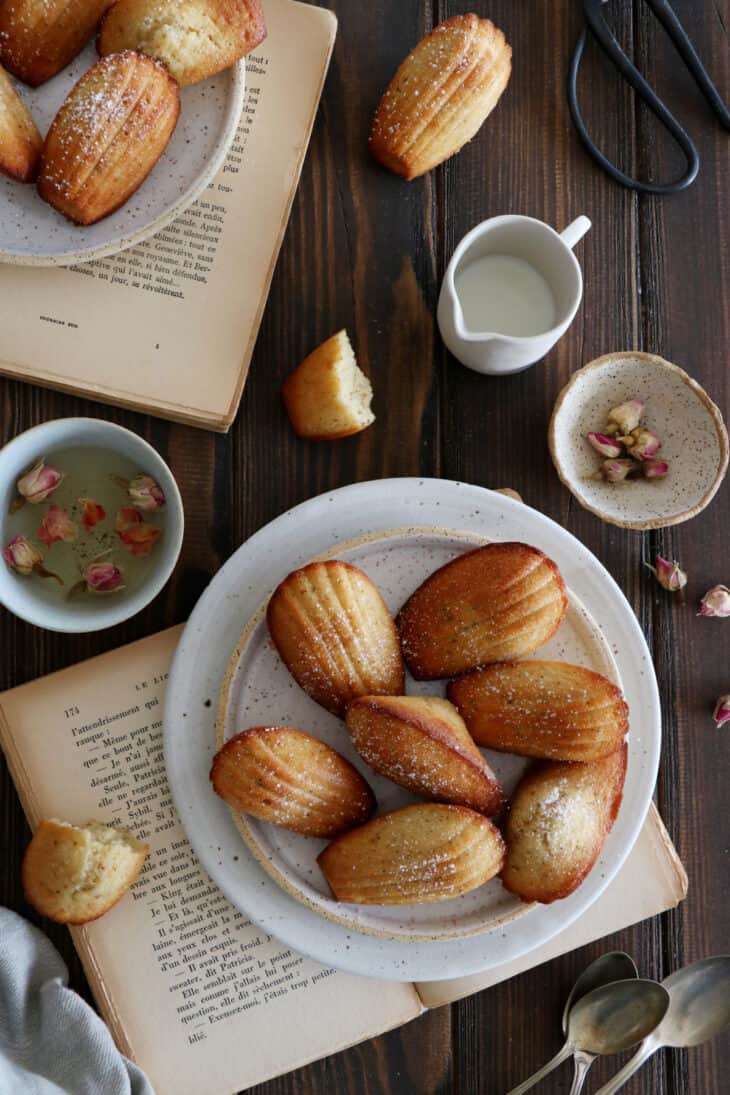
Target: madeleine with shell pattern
(38, 38)
(416, 855)
(493, 604)
(20, 141)
(335, 635)
(291, 779)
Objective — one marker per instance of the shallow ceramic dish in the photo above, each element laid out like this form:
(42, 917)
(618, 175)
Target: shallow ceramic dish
(34, 234)
(20, 595)
(693, 434)
(258, 692)
(213, 632)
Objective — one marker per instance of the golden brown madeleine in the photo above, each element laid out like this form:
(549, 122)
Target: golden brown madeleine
(336, 635)
(559, 818)
(39, 37)
(414, 856)
(107, 136)
(20, 141)
(441, 95)
(73, 875)
(328, 396)
(493, 604)
(291, 779)
(550, 710)
(194, 38)
(421, 743)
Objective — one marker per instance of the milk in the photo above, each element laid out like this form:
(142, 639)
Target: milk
(506, 295)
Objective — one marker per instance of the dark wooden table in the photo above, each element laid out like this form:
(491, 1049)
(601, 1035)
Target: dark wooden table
(367, 251)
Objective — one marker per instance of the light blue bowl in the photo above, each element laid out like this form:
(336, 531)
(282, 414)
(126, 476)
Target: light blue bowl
(86, 614)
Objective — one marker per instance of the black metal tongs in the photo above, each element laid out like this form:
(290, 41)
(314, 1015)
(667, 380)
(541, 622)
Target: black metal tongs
(605, 37)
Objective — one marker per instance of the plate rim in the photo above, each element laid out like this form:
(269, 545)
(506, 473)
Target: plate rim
(231, 118)
(273, 910)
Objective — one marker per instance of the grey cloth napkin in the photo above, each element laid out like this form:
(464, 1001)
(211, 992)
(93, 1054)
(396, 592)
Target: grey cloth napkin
(51, 1041)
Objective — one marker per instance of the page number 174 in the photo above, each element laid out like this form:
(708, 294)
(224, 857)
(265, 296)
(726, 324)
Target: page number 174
(71, 711)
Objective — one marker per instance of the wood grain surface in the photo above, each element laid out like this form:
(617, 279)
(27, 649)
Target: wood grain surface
(366, 251)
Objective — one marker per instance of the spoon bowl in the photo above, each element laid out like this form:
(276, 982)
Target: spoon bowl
(614, 1017)
(615, 966)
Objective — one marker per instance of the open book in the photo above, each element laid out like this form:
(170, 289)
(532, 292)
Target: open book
(232, 1007)
(169, 326)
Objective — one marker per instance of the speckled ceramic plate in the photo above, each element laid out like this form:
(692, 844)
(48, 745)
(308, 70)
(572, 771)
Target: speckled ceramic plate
(694, 440)
(232, 600)
(34, 234)
(259, 690)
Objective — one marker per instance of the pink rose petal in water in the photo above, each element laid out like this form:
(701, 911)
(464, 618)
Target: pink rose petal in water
(57, 526)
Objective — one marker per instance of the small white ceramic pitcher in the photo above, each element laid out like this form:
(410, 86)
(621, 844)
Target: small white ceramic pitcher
(550, 254)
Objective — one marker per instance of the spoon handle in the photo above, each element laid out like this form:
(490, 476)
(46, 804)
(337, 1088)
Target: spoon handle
(643, 1054)
(581, 1063)
(558, 1059)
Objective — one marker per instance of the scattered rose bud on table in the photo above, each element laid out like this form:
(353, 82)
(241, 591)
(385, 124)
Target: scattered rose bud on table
(668, 574)
(721, 714)
(57, 526)
(145, 493)
(92, 512)
(716, 602)
(36, 485)
(25, 558)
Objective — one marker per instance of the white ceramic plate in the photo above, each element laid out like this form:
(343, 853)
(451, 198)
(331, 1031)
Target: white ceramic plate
(260, 691)
(34, 234)
(213, 632)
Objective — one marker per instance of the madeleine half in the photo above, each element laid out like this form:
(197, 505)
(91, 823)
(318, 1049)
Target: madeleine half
(291, 779)
(328, 396)
(496, 603)
(335, 635)
(40, 37)
(107, 136)
(193, 38)
(413, 856)
(20, 141)
(441, 95)
(559, 818)
(422, 744)
(550, 710)
(73, 875)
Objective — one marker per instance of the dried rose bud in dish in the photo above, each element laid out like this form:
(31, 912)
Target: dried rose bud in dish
(25, 558)
(716, 602)
(628, 447)
(36, 485)
(145, 493)
(57, 526)
(604, 446)
(721, 714)
(624, 418)
(99, 577)
(668, 574)
(654, 469)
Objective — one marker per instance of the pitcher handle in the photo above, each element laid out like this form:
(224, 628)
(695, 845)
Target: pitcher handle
(575, 231)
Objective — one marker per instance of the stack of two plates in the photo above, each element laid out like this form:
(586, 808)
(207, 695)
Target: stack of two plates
(227, 676)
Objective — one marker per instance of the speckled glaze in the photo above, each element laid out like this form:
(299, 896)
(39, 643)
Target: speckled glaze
(34, 234)
(259, 690)
(694, 440)
(214, 630)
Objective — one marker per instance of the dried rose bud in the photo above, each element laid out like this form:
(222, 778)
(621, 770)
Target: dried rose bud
(103, 577)
(37, 484)
(25, 558)
(145, 494)
(642, 444)
(138, 537)
(668, 574)
(615, 471)
(716, 602)
(654, 469)
(721, 714)
(605, 446)
(624, 418)
(57, 525)
(91, 512)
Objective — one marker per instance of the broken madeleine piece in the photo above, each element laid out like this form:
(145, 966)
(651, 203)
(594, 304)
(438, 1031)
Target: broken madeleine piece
(40, 37)
(493, 604)
(441, 95)
(20, 141)
(335, 635)
(422, 744)
(550, 710)
(107, 136)
(559, 819)
(413, 856)
(291, 779)
(193, 38)
(328, 396)
(73, 875)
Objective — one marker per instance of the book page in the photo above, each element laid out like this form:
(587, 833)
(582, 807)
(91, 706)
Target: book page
(651, 881)
(202, 999)
(170, 325)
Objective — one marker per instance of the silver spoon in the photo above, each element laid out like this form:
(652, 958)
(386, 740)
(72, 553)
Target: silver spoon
(607, 1020)
(699, 1008)
(614, 966)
